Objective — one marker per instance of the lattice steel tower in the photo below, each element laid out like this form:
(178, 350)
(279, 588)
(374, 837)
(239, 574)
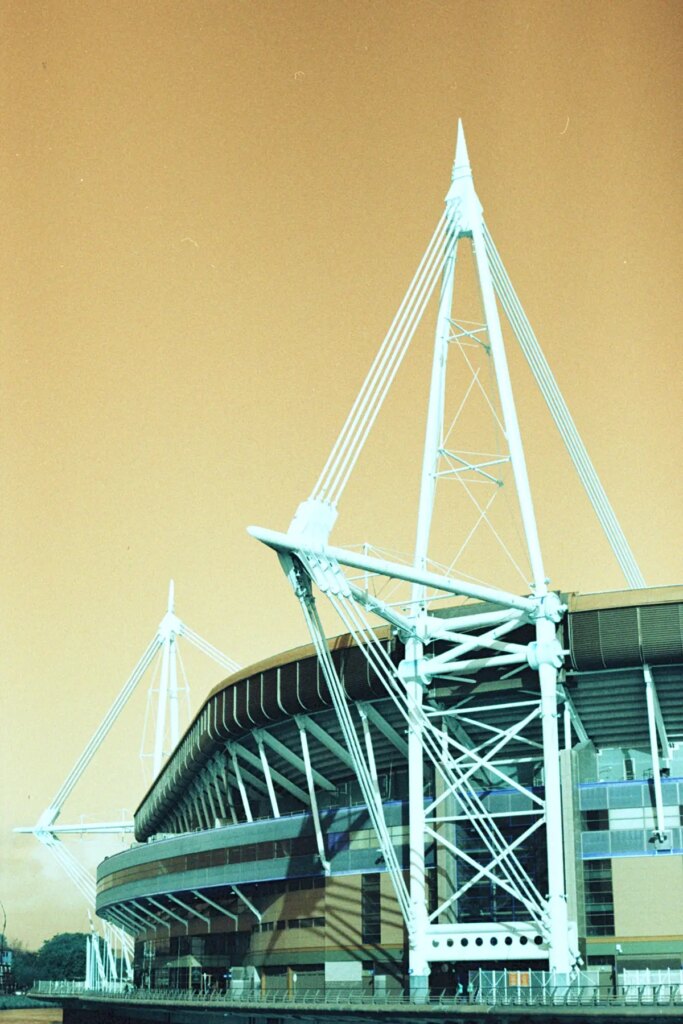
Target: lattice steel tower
(509, 632)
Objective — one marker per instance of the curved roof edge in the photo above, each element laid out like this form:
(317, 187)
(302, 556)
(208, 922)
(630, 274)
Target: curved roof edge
(606, 630)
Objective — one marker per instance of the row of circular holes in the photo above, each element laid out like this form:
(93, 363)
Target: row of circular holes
(493, 940)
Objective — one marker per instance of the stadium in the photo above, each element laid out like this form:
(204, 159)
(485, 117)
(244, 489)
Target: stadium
(258, 865)
(470, 787)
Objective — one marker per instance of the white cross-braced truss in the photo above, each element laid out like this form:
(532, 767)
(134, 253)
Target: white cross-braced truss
(457, 767)
(443, 651)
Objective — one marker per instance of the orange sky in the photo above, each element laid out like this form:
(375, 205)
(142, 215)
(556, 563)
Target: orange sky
(210, 214)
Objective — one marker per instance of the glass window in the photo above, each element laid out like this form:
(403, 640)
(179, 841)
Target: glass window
(599, 897)
(371, 925)
(595, 821)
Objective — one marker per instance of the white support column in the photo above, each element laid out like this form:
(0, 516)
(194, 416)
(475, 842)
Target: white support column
(171, 913)
(169, 630)
(650, 697)
(293, 759)
(155, 918)
(284, 781)
(141, 913)
(109, 951)
(202, 817)
(269, 779)
(228, 790)
(191, 814)
(548, 648)
(567, 728)
(100, 964)
(383, 726)
(191, 910)
(208, 816)
(240, 783)
(209, 795)
(216, 906)
(665, 745)
(160, 724)
(173, 695)
(215, 776)
(88, 963)
(248, 904)
(126, 923)
(559, 954)
(314, 802)
(418, 962)
(325, 739)
(577, 724)
(507, 403)
(369, 750)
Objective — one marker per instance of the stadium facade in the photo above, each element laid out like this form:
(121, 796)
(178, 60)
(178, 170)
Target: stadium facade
(257, 865)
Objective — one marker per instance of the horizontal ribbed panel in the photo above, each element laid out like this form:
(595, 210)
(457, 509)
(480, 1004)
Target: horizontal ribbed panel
(662, 633)
(620, 637)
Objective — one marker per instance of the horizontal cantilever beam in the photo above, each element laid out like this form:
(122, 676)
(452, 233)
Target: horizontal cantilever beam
(95, 827)
(409, 573)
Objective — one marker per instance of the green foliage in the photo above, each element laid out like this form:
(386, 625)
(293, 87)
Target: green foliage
(25, 967)
(62, 957)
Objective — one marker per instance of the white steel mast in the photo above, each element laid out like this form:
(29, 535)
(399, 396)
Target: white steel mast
(47, 829)
(418, 962)
(464, 211)
(467, 643)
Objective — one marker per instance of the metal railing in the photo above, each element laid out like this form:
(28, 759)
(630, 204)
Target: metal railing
(559, 995)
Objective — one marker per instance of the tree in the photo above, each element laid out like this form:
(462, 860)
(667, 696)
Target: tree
(62, 957)
(24, 965)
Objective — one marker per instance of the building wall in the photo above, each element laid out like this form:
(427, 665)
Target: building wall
(343, 912)
(625, 888)
(648, 896)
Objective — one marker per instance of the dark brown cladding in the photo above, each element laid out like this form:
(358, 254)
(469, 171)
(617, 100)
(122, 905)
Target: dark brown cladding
(625, 628)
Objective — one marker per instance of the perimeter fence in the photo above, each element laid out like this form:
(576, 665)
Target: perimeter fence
(491, 992)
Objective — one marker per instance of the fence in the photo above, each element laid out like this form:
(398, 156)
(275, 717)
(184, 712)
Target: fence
(657, 987)
(533, 989)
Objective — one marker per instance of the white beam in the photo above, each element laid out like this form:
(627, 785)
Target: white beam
(387, 730)
(248, 904)
(151, 914)
(267, 776)
(212, 903)
(579, 727)
(190, 910)
(240, 784)
(325, 739)
(313, 800)
(167, 910)
(283, 542)
(269, 773)
(84, 828)
(650, 697)
(293, 759)
(125, 923)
